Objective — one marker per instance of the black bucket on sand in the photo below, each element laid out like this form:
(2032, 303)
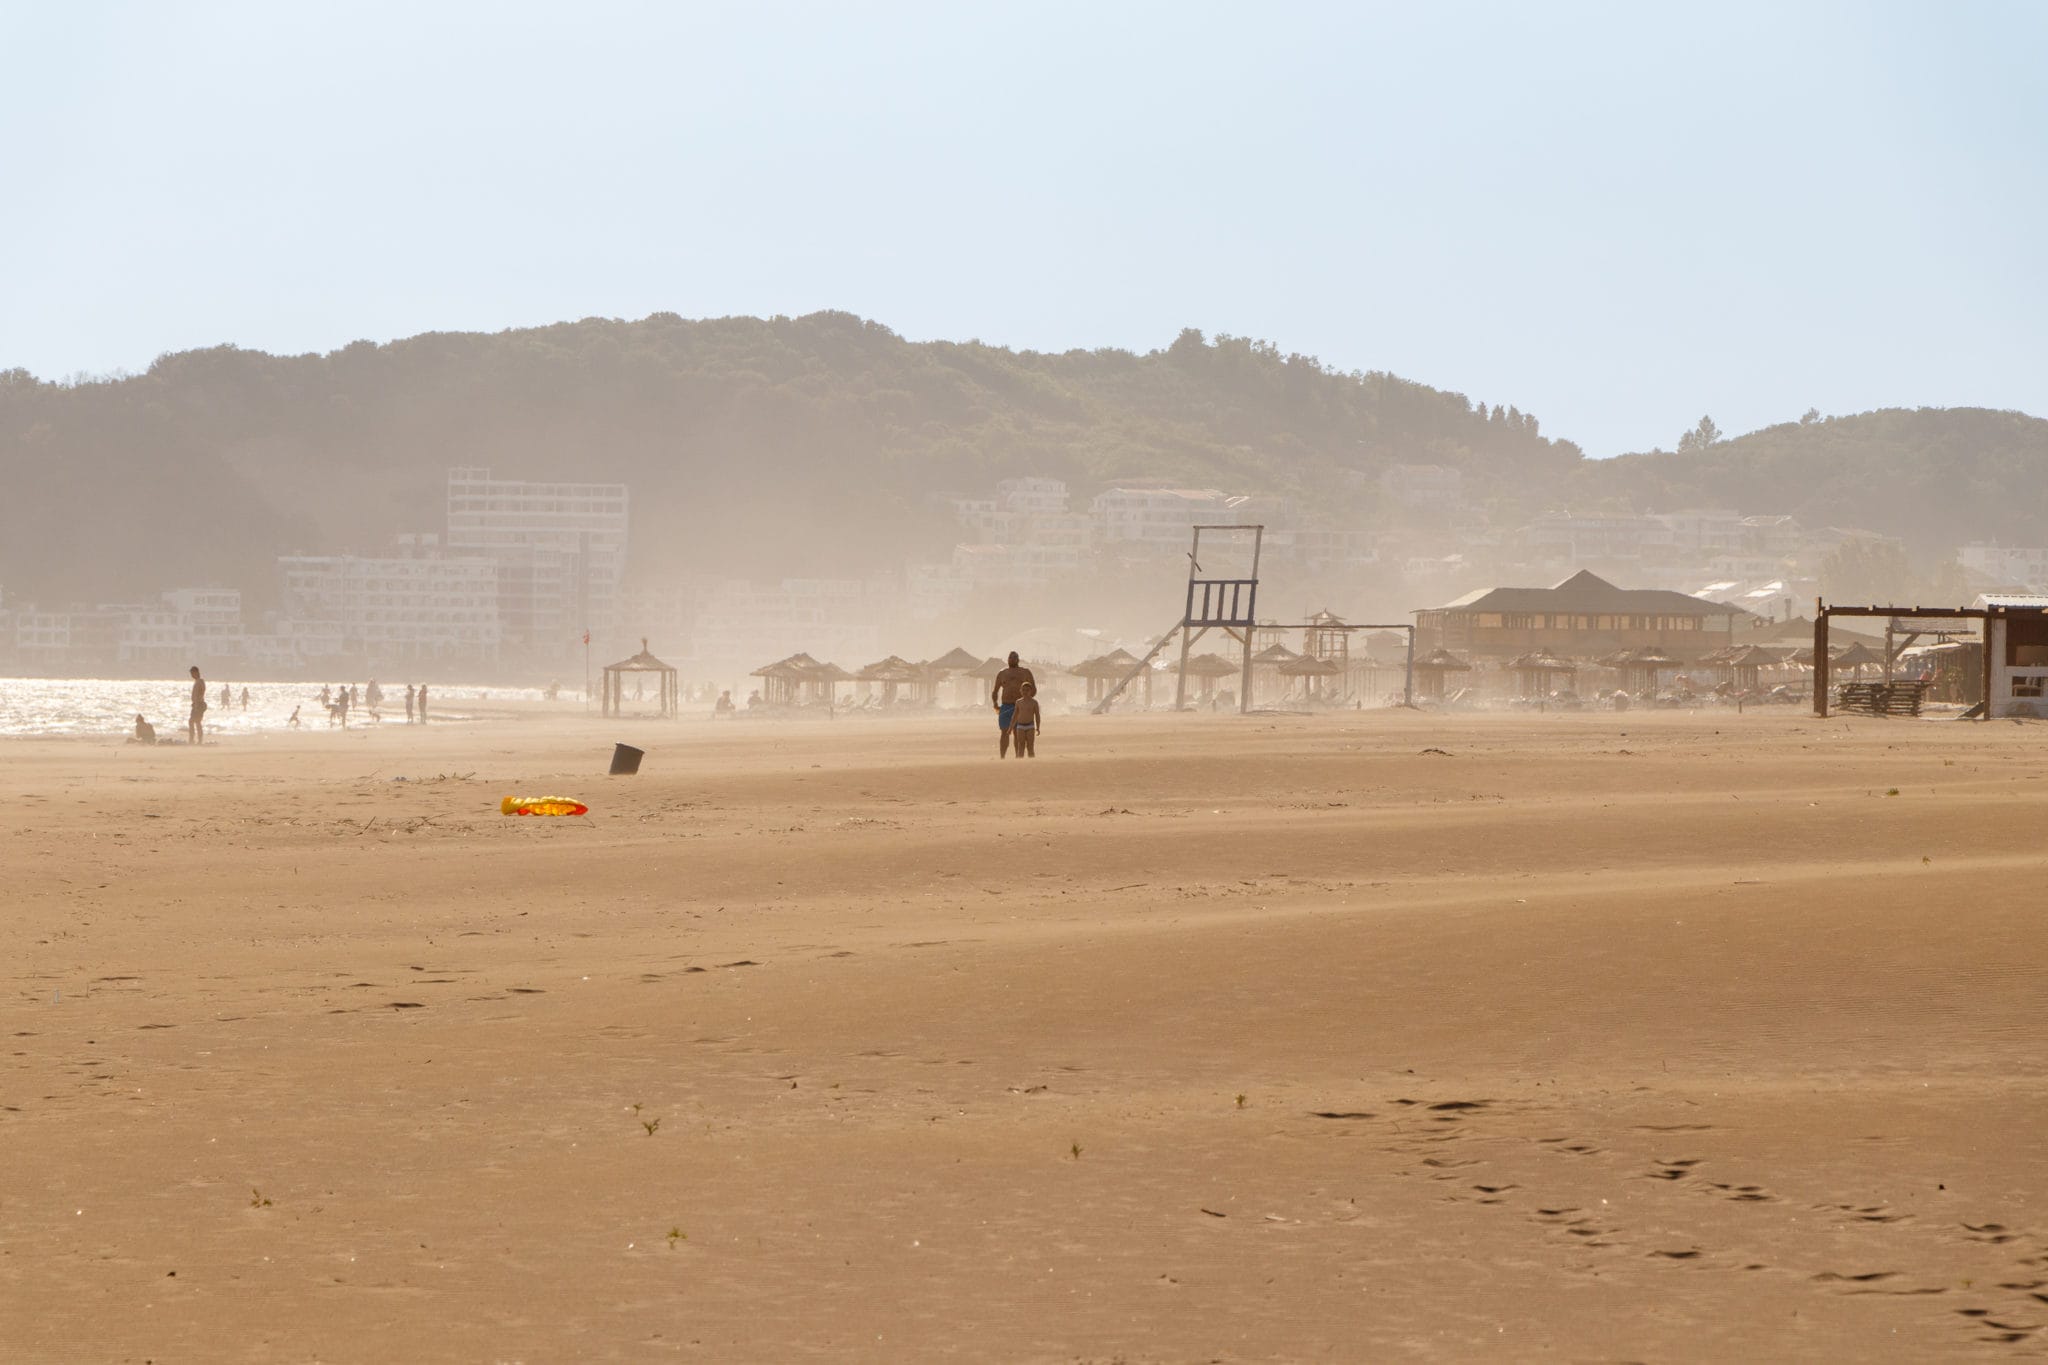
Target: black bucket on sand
(626, 760)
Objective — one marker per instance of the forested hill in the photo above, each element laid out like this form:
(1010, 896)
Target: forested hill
(762, 447)
(813, 445)
(1936, 477)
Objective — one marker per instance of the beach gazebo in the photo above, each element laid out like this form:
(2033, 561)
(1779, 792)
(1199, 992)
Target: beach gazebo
(1314, 670)
(1856, 658)
(613, 693)
(892, 673)
(1639, 668)
(820, 679)
(1535, 673)
(1430, 670)
(1206, 669)
(955, 664)
(1104, 669)
(1742, 663)
(782, 681)
(1272, 656)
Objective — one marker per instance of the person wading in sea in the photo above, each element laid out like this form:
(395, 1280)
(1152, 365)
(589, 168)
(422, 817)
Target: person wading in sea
(1009, 686)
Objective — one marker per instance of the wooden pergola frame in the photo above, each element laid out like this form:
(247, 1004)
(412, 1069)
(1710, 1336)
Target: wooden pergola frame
(613, 691)
(1821, 662)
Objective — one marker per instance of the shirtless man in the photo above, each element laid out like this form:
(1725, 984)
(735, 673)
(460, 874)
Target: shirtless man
(1003, 696)
(195, 726)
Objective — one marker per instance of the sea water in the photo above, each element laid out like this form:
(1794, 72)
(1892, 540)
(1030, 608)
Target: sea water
(105, 707)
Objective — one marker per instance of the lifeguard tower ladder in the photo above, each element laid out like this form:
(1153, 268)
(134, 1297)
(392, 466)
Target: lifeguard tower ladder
(1226, 604)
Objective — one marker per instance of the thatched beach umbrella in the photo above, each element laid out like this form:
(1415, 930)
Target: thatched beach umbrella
(892, 673)
(955, 663)
(1432, 667)
(1207, 668)
(1534, 672)
(1315, 670)
(1104, 669)
(1743, 661)
(1639, 667)
(1857, 657)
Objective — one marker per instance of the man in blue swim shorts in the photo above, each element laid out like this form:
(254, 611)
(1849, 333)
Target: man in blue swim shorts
(1003, 696)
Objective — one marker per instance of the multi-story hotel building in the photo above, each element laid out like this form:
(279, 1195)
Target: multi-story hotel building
(560, 551)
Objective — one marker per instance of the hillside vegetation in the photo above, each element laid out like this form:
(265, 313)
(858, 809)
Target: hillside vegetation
(1936, 477)
(762, 447)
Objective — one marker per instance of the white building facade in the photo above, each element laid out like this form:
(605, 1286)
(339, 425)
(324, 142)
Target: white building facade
(413, 607)
(560, 550)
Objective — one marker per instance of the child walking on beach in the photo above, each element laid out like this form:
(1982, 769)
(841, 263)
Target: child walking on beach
(1026, 724)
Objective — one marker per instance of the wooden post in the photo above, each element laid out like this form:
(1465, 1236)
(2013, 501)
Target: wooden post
(1408, 681)
(1251, 617)
(1988, 619)
(1180, 682)
(1820, 662)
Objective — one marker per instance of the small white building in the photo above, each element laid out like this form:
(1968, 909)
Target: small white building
(2018, 631)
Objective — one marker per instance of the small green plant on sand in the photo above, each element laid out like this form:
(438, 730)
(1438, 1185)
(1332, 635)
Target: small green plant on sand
(1076, 1150)
(1891, 791)
(1240, 1101)
(676, 1235)
(650, 1125)
(257, 1201)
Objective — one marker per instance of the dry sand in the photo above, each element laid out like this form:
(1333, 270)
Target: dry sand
(1642, 1037)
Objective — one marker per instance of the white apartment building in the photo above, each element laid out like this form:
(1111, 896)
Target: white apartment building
(933, 592)
(560, 549)
(1033, 497)
(42, 639)
(2005, 566)
(215, 616)
(146, 635)
(1160, 517)
(408, 607)
(1700, 533)
(1433, 487)
(1561, 538)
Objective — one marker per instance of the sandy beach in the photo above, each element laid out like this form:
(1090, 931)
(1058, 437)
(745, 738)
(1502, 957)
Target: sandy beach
(1367, 1037)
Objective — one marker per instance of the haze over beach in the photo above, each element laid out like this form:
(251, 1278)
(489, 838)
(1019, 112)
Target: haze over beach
(1335, 683)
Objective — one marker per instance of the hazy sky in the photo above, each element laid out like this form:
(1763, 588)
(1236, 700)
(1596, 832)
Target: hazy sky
(1618, 217)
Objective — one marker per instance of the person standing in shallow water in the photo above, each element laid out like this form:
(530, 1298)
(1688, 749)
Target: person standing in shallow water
(1009, 686)
(195, 725)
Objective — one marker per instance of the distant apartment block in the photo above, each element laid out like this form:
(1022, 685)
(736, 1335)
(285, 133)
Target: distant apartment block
(560, 551)
(1418, 487)
(1033, 497)
(215, 615)
(418, 605)
(1161, 518)
(2005, 566)
(42, 639)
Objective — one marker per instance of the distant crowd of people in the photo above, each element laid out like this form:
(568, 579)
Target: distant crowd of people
(338, 700)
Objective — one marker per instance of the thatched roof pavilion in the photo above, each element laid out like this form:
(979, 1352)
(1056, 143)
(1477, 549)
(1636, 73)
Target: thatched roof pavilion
(613, 693)
(1534, 671)
(1104, 669)
(1432, 667)
(1207, 668)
